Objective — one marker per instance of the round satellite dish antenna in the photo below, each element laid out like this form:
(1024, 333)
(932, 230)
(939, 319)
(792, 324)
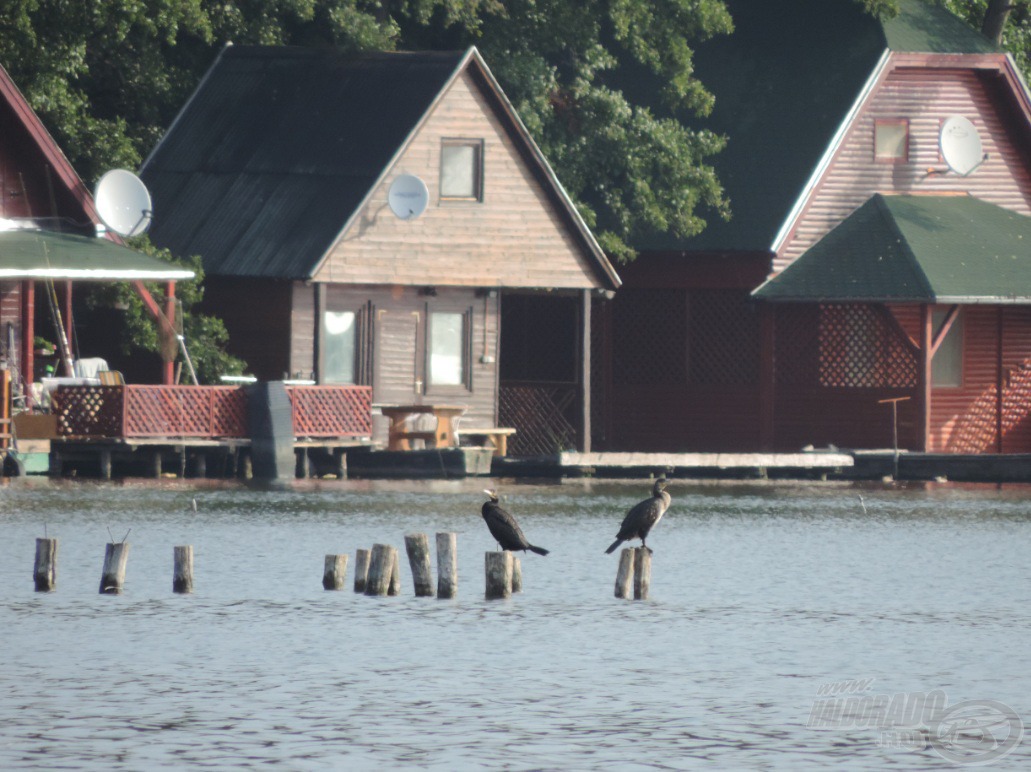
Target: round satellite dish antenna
(961, 145)
(408, 197)
(123, 203)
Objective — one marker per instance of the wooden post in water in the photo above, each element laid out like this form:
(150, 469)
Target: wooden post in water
(361, 569)
(642, 573)
(498, 566)
(447, 565)
(182, 570)
(394, 588)
(625, 575)
(517, 574)
(44, 574)
(335, 572)
(418, 547)
(381, 569)
(113, 577)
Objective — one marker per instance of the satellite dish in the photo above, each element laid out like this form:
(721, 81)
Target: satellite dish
(123, 203)
(961, 145)
(408, 197)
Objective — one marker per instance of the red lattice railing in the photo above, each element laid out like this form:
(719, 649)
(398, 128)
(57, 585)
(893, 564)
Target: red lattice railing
(204, 411)
(331, 411)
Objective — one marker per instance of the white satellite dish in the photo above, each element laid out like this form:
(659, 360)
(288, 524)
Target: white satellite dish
(961, 145)
(123, 203)
(408, 197)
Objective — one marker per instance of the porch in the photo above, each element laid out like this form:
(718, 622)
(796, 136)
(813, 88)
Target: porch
(198, 430)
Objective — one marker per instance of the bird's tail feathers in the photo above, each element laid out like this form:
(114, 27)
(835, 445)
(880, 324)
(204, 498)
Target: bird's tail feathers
(538, 550)
(612, 547)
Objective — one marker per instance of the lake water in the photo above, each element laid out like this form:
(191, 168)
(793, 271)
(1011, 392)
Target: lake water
(762, 594)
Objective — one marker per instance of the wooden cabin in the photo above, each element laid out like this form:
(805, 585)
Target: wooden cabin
(51, 242)
(840, 192)
(279, 172)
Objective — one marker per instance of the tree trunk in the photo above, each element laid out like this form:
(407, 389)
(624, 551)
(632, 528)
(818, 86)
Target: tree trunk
(995, 18)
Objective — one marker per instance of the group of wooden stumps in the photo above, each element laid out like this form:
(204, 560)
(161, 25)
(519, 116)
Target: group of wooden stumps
(377, 571)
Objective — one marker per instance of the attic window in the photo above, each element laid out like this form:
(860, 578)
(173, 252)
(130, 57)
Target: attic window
(461, 169)
(891, 140)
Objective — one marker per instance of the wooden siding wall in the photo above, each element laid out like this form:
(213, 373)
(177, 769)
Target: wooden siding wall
(257, 315)
(964, 419)
(398, 338)
(513, 238)
(24, 188)
(302, 331)
(926, 97)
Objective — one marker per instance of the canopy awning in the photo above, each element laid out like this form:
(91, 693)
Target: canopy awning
(914, 249)
(38, 254)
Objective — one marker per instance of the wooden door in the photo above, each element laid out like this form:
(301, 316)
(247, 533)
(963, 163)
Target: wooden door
(399, 361)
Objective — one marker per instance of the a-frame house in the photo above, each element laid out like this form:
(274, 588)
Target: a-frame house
(893, 276)
(278, 172)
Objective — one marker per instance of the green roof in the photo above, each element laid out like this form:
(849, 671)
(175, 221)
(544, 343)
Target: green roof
(918, 249)
(785, 81)
(37, 254)
(924, 27)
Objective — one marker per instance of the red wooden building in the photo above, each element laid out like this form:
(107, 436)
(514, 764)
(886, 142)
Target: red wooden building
(279, 172)
(49, 244)
(837, 184)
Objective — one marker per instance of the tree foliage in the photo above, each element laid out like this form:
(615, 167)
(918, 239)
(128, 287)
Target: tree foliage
(206, 336)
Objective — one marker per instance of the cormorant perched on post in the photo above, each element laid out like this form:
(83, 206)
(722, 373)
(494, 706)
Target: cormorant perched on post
(643, 516)
(504, 528)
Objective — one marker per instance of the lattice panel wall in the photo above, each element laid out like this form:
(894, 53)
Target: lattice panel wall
(724, 339)
(331, 411)
(544, 416)
(859, 348)
(88, 411)
(168, 411)
(649, 337)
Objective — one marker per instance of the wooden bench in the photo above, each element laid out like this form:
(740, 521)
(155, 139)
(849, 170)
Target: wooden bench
(497, 437)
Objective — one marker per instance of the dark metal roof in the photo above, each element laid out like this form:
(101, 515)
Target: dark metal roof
(919, 249)
(43, 254)
(278, 147)
(785, 81)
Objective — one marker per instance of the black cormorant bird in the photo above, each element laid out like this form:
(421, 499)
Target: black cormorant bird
(504, 528)
(643, 516)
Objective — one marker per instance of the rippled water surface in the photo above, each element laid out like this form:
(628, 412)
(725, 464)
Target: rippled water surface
(761, 593)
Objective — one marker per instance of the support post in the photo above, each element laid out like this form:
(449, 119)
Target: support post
(585, 371)
(498, 568)
(642, 573)
(381, 569)
(924, 378)
(113, 577)
(447, 565)
(44, 573)
(361, 569)
(182, 571)
(335, 572)
(394, 586)
(417, 545)
(168, 369)
(517, 574)
(28, 335)
(625, 574)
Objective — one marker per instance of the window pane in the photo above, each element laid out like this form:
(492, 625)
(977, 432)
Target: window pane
(446, 349)
(338, 363)
(458, 171)
(947, 365)
(890, 140)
